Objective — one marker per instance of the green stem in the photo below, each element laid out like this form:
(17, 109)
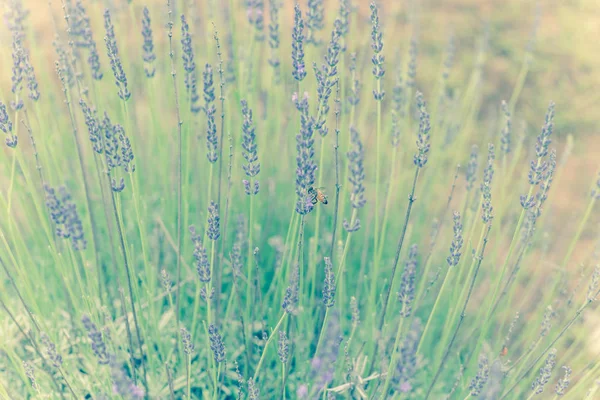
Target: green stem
(269, 340)
(462, 314)
(392, 365)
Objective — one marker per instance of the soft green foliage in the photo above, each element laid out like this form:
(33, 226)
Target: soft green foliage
(436, 269)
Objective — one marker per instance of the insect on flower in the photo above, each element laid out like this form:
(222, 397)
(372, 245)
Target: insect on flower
(317, 194)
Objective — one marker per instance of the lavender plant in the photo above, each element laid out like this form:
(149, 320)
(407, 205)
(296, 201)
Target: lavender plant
(275, 292)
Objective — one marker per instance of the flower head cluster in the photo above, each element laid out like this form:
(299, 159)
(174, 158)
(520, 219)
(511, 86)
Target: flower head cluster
(486, 187)
(117, 151)
(356, 169)
(326, 78)
(377, 46)
(483, 374)
(408, 360)
(122, 384)
(420, 159)
(51, 351)
(65, 216)
(148, 47)
(64, 66)
(216, 343)
(305, 164)
(406, 294)
(249, 150)
(290, 299)
(30, 374)
(189, 66)
(6, 127)
(540, 165)
(506, 131)
(344, 15)
(298, 67)
(329, 284)
(81, 30)
(93, 125)
(98, 345)
(210, 110)
(283, 347)
(115, 59)
(202, 263)
(545, 373)
(186, 340)
(411, 73)
(398, 94)
(314, 21)
(274, 39)
(471, 176)
(563, 383)
(213, 221)
(457, 242)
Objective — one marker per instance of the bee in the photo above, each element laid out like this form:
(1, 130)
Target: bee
(504, 351)
(317, 194)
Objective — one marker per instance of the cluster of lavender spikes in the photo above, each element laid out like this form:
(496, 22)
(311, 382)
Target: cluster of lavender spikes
(423, 145)
(249, 151)
(326, 78)
(65, 216)
(305, 165)
(483, 374)
(115, 59)
(377, 46)
(117, 151)
(298, 67)
(406, 294)
(6, 127)
(329, 284)
(457, 242)
(216, 343)
(189, 66)
(274, 40)
(148, 47)
(314, 21)
(98, 345)
(213, 231)
(545, 373)
(212, 142)
(486, 187)
(81, 31)
(202, 262)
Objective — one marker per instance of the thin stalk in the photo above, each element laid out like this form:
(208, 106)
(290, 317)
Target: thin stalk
(322, 330)
(179, 169)
(129, 284)
(392, 365)
(377, 174)
(170, 382)
(269, 340)
(218, 277)
(411, 200)
(188, 375)
(249, 283)
(462, 313)
(432, 313)
(129, 336)
(337, 173)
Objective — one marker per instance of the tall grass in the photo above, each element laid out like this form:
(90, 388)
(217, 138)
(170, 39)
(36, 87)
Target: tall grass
(160, 239)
